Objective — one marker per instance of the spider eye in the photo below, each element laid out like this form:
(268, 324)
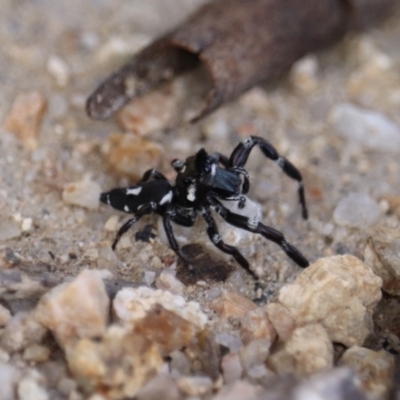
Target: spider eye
(207, 168)
(187, 181)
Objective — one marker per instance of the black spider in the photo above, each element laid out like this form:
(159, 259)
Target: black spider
(202, 181)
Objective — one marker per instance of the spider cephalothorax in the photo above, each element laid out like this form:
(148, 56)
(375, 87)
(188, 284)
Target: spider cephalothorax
(202, 181)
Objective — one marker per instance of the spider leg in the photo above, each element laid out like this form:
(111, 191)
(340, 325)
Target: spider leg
(145, 209)
(241, 153)
(222, 159)
(152, 173)
(243, 222)
(216, 239)
(169, 216)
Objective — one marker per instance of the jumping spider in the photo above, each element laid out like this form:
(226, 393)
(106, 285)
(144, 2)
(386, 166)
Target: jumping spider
(202, 181)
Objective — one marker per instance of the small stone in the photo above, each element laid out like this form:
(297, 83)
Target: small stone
(366, 128)
(26, 224)
(112, 224)
(239, 390)
(231, 304)
(254, 353)
(151, 113)
(25, 118)
(78, 309)
(256, 325)
(281, 320)
(374, 368)
(229, 341)
(303, 74)
(337, 384)
(9, 377)
(179, 364)
(382, 254)
(58, 69)
(36, 353)
(30, 388)
(84, 194)
(311, 349)
(357, 210)
(162, 386)
(66, 386)
(117, 47)
(118, 365)
(194, 385)
(166, 319)
(9, 228)
(149, 277)
(394, 204)
(338, 292)
(231, 366)
(21, 331)
(131, 156)
(168, 281)
(5, 316)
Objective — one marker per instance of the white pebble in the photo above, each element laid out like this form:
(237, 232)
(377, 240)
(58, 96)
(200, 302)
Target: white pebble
(84, 193)
(357, 210)
(58, 69)
(364, 127)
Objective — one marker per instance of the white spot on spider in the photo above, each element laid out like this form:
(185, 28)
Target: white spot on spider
(191, 196)
(183, 169)
(167, 198)
(126, 208)
(108, 200)
(216, 238)
(247, 142)
(134, 191)
(252, 222)
(213, 169)
(280, 161)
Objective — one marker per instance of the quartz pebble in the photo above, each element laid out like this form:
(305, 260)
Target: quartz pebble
(308, 351)
(357, 210)
(239, 390)
(58, 69)
(9, 377)
(231, 304)
(131, 156)
(168, 281)
(231, 366)
(37, 353)
(366, 128)
(93, 363)
(337, 384)
(162, 386)
(254, 353)
(151, 113)
(194, 385)
(22, 330)
(382, 254)
(338, 292)
(67, 316)
(374, 368)
(25, 118)
(166, 319)
(5, 316)
(311, 349)
(30, 387)
(229, 341)
(281, 320)
(256, 325)
(85, 194)
(303, 74)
